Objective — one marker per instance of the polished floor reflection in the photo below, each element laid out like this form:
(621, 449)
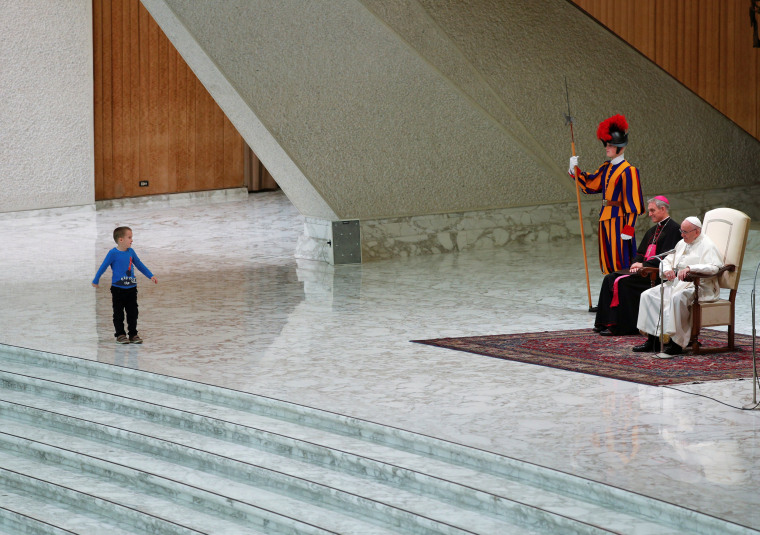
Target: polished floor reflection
(234, 308)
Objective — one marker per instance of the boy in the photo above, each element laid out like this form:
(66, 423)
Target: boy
(123, 260)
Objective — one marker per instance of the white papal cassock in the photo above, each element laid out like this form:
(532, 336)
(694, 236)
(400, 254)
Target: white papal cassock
(700, 255)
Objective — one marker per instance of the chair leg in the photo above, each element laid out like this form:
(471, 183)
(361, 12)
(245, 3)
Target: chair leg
(731, 337)
(696, 323)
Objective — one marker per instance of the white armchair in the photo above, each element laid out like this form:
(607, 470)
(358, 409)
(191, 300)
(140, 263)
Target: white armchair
(728, 229)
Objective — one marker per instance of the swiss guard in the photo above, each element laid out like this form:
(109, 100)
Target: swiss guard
(622, 202)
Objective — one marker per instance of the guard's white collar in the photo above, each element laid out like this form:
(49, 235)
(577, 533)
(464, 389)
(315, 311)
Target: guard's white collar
(617, 160)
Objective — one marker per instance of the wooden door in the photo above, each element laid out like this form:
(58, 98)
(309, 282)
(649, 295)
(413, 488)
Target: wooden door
(155, 123)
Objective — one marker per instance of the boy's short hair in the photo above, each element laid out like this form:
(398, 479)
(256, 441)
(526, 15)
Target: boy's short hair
(120, 232)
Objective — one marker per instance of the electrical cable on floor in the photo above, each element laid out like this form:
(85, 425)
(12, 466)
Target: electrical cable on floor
(713, 399)
(755, 378)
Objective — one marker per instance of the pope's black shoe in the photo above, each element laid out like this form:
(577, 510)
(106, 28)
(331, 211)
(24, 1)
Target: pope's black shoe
(652, 344)
(671, 348)
(599, 328)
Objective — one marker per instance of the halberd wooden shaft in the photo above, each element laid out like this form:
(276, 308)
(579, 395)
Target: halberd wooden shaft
(580, 218)
(569, 120)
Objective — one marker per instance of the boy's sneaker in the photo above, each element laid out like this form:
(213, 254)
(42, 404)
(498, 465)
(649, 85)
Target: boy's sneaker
(122, 339)
(135, 339)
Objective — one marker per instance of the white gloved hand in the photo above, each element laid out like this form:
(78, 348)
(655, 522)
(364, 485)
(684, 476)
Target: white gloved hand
(573, 165)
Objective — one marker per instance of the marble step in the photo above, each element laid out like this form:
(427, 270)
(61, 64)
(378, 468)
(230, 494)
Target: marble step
(78, 510)
(461, 478)
(131, 510)
(24, 512)
(401, 509)
(151, 475)
(21, 514)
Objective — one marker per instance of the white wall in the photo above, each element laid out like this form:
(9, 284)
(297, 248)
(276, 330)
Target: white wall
(46, 104)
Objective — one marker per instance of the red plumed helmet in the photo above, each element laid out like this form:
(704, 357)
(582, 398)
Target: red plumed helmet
(613, 131)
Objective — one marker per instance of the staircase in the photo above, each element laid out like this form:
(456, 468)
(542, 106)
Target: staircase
(92, 448)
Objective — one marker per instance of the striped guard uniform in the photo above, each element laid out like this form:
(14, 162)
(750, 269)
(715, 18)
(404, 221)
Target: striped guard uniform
(617, 181)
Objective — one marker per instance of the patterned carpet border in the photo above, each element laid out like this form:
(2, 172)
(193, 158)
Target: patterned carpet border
(584, 351)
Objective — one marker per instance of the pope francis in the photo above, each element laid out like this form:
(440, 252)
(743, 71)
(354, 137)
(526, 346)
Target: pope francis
(694, 252)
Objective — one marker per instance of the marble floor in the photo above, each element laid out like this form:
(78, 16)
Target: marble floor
(234, 308)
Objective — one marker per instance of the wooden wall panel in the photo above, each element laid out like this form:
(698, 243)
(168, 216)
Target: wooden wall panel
(97, 36)
(705, 44)
(107, 107)
(134, 97)
(154, 120)
(143, 111)
(118, 130)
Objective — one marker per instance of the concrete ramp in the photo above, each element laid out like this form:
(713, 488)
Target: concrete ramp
(351, 119)
(383, 112)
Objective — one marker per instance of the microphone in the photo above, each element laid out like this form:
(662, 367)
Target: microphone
(666, 253)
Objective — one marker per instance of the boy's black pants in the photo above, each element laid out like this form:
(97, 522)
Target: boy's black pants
(124, 299)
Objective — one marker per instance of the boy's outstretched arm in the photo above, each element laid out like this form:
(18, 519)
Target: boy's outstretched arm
(143, 268)
(102, 269)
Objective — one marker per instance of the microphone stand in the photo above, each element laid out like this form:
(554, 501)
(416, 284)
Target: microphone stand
(662, 354)
(754, 405)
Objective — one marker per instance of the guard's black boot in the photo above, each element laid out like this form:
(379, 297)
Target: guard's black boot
(652, 344)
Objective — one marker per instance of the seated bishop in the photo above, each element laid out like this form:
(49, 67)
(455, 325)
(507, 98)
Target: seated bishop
(618, 305)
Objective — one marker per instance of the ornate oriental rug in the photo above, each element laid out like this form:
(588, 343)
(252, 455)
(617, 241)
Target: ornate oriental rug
(584, 351)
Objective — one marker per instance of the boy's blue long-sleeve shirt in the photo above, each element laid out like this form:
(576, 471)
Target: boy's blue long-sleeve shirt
(123, 264)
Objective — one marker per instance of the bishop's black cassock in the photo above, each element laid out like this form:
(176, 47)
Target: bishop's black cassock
(621, 319)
